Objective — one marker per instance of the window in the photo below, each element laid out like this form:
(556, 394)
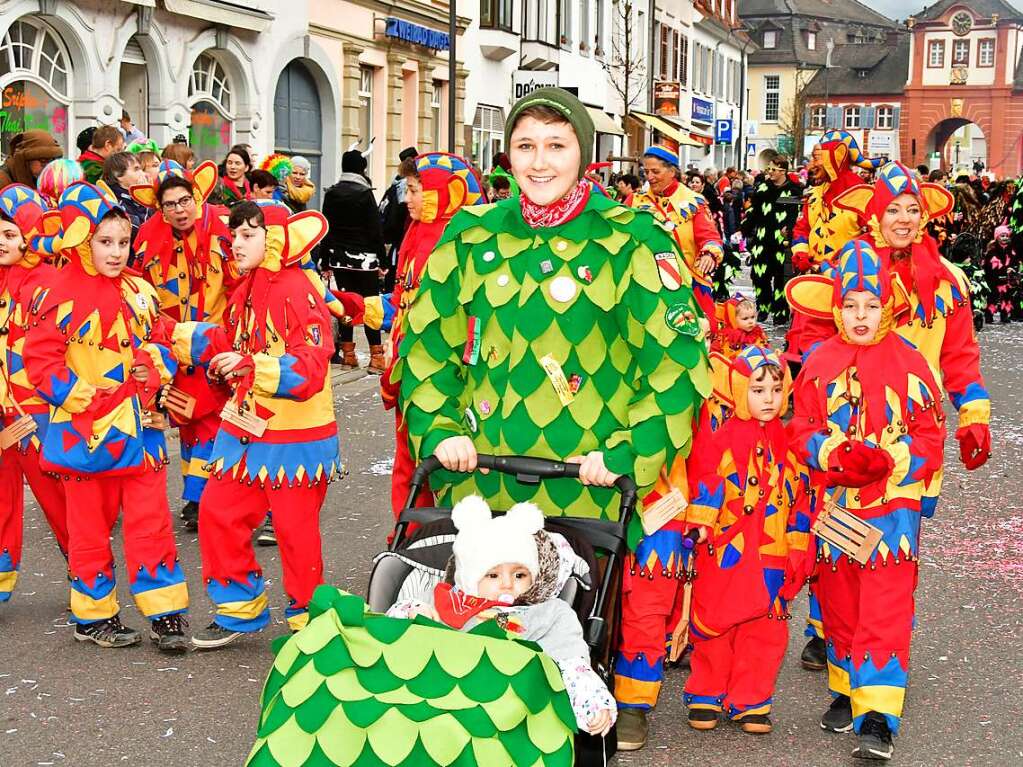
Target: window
(885, 119)
(986, 52)
(683, 60)
(811, 41)
(541, 21)
(565, 21)
(771, 38)
(961, 53)
(209, 93)
(35, 81)
(599, 38)
(697, 66)
(852, 118)
(705, 73)
(936, 54)
(496, 14)
(365, 106)
(487, 136)
(662, 50)
(772, 97)
(818, 117)
(584, 25)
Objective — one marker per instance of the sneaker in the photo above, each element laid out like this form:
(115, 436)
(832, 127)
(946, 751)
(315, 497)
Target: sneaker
(214, 636)
(815, 655)
(169, 633)
(703, 718)
(267, 536)
(757, 724)
(875, 739)
(107, 633)
(838, 718)
(633, 729)
(190, 513)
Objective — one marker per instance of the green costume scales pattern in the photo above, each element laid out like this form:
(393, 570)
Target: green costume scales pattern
(604, 295)
(361, 689)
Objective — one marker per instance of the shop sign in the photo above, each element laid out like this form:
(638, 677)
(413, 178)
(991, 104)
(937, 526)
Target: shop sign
(209, 133)
(703, 110)
(525, 81)
(879, 144)
(27, 106)
(417, 35)
(667, 97)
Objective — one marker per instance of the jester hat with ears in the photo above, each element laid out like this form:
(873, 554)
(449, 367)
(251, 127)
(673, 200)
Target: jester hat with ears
(26, 209)
(81, 208)
(925, 268)
(732, 377)
(839, 151)
(203, 178)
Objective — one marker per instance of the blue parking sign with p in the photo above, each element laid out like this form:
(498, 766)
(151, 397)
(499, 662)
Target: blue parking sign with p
(723, 131)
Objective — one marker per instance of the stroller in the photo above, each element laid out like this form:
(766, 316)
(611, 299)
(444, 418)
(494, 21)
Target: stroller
(417, 560)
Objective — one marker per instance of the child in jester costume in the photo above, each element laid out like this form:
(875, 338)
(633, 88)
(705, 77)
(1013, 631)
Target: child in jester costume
(441, 185)
(561, 324)
(868, 422)
(737, 327)
(509, 570)
(277, 445)
(750, 505)
(180, 253)
(685, 214)
(23, 277)
(90, 353)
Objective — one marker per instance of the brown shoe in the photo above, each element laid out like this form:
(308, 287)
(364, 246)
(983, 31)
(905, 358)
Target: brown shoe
(376, 359)
(703, 718)
(348, 359)
(756, 724)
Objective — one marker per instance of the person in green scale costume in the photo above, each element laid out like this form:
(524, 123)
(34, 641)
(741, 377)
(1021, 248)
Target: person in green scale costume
(559, 324)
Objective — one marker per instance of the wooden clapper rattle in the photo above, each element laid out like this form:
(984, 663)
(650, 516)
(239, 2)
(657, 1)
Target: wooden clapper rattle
(846, 532)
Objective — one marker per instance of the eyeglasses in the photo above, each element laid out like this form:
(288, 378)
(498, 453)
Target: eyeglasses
(180, 204)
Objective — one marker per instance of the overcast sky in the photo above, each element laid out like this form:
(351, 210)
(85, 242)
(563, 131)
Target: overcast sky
(897, 9)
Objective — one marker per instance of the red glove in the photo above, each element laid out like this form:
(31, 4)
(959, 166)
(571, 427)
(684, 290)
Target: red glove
(802, 262)
(974, 445)
(856, 465)
(798, 569)
(146, 391)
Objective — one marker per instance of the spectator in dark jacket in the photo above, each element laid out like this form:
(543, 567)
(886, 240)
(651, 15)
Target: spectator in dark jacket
(394, 218)
(354, 250)
(122, 171)
(30, 151)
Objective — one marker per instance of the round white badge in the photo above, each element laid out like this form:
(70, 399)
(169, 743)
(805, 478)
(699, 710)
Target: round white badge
(563, 289)
(141, 302)
(489, 256)
(502, 280)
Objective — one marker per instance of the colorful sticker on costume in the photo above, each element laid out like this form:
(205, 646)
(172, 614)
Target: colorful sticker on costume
(471, 355)
(313, 331)
(470, 419)
(668, 270)
(554, 372)
(585, 274)
(682, 320)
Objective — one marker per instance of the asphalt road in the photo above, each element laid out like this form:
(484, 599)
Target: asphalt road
(65, 703)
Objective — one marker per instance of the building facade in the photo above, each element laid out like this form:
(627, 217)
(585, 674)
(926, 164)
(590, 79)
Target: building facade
(794, 39)
(964, 96)
(719, 50)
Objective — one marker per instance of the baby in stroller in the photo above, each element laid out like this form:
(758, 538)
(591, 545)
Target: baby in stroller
(508, 569)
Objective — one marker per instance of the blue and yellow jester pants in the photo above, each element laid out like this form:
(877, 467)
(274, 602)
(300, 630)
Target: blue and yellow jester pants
(650, 609)
(196, 448)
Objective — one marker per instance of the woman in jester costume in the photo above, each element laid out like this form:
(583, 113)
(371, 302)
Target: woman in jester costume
(869, 425)
(91, 353)
(277, 446)
(24, 275)
(441, 185)
(561, 324)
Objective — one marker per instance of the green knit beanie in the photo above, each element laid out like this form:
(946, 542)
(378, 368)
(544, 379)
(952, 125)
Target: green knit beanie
(565, 104)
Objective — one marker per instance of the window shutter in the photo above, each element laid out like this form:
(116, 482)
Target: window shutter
(834, 118)
(867, 115)
(806, 118)
(895, 118)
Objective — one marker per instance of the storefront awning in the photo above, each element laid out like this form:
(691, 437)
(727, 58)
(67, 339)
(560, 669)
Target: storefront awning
(220, 12)
(603, 123)
(669, 128)
(701, 136)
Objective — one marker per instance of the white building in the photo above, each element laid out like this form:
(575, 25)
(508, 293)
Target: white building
(513, 46)
(213, 71)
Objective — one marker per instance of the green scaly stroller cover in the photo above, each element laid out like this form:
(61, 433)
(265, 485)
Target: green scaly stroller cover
(358, 688)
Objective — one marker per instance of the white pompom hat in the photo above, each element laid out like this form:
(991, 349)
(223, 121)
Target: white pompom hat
(485, 541)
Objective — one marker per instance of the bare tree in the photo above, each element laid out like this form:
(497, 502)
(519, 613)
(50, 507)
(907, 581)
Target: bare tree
(625, 63)
(792, 115)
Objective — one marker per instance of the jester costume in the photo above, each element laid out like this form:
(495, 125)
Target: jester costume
(356, 688)
(88, 334)
(193, 275)
(283, 457)
(823, 228)
(20, 285)
(448, 184)
(729, 339)
(767, 227)
(749, 494)
(686, 216)
(868, 423)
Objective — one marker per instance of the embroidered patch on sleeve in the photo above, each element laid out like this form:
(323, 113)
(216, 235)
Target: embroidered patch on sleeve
(668, 270)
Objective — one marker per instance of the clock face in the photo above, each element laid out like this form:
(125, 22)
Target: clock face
(962, 22)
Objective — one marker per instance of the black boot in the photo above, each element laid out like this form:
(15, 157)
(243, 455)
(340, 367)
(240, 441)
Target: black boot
(875, 739)
(815, 655)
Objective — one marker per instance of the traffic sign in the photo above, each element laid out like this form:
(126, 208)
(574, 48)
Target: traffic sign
(723, 131)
